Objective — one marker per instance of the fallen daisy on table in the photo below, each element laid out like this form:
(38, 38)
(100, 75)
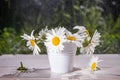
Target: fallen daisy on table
(86, 73)
(93, 64)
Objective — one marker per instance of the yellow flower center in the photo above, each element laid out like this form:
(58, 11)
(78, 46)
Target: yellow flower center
(87, 32)
(55, 41)
(93, 66)
(32, 42)
(72, 38)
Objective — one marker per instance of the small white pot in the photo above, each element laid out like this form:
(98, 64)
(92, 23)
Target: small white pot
(62, 62)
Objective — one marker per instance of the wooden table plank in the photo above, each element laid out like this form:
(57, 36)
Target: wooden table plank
(110, 67)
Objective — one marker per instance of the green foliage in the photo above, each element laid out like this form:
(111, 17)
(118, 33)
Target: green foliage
(110, 36)
(11, 42)
(76, 13)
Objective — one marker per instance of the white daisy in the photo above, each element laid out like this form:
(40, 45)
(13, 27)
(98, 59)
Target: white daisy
(31, 43)
(42, 34)
(93, 64)
(74, 38)
(90, 44)
(96, 39)
(82, 31)
(55, 39)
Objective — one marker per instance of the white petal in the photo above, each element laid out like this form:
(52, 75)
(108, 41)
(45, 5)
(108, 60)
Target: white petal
(28, 43)
(32, 35)
(80, 28)
(38, 48)
(35, 51)
(30, 47)
(26, 37)
(96, 38)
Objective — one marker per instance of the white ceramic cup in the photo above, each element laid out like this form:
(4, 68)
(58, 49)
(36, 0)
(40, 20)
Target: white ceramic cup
(62, 62)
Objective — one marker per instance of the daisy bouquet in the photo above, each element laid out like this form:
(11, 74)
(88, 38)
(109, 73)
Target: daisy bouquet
(55, 39)
(61, 46)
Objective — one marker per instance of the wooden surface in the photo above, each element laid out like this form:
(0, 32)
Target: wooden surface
(39, 68)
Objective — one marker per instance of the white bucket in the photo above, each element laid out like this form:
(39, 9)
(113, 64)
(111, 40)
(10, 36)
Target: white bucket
(62, 62)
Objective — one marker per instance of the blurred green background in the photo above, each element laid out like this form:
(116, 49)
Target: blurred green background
(22, 16)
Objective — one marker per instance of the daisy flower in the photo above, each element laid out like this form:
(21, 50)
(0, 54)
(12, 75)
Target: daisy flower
(82, 31)
(42, 35)
(55, 39)
(74, 38)
(90, 44)
(31, 43)
(93, 64)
